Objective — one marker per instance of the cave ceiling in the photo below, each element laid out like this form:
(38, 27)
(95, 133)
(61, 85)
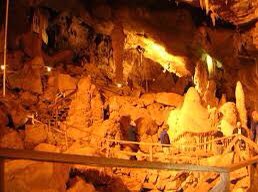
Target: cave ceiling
(184, 28)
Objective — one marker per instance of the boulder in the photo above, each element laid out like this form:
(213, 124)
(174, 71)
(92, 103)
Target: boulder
(35, 134)
(109, 128)
(14, 60)
(171, 99)
(31, 44)
(146, 126)
(4, 120)
(18, 114)
(172, 185)
(65, 83)
(47, 148)
(28, 99)
(81, 186)
(76, 133)
(148, 98)
(12, 140)
(78, 149)
(158, 113)
(64, 56)
(28, 79)
(26, 176)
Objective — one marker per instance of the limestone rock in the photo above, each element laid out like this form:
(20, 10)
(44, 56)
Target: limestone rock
(31, 43)
(96, 108)
(171, 99)
(209, 96)
(18, 114)
(240, 104)
(80, 114)
(58, 82)
(28, 79)
(78, 149)
(229, 119)
(226, 128)
(173, 185)
(229, 112)
(35, 134)
(3, 117)
(109, 128)
(14, 60)
(148, 99)
(76, 133)
(28, 99)
(201, 78)
(192, 116)
(12, 140)
(146, 126)
(158, 113)
(47, 148)
(81, 186)
(65, 83)
(26, 176)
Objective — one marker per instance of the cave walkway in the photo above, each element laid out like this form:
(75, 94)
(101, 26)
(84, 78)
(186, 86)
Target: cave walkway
(241, 162)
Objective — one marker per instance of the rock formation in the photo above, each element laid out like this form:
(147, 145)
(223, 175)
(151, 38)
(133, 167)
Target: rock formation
(192, 116)
(240, 104)
(229, 118)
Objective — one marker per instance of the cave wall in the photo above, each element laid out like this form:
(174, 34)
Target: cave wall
(86, 29)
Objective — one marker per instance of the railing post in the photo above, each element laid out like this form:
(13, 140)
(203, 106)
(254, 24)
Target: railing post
(2, 175)
(107, 148)
(151, 156)
(224, 184)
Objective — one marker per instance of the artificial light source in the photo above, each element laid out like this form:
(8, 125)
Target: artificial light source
(49, 69)
(2, 67)
(210, 66)
(119, 85)
(209, 62)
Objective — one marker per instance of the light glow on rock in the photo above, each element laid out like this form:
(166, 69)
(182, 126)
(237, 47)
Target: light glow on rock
(158, 53)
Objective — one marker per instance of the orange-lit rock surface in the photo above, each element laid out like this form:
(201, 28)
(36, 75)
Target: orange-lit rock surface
(109, 67)
(190, 116)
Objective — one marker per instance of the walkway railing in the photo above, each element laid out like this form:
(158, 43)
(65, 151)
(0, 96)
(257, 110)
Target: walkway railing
(224, 172)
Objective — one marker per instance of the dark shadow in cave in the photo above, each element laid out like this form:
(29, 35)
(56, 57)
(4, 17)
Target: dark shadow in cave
(101, 180)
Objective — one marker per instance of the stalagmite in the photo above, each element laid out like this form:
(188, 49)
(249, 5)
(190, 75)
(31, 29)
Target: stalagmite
(240, 104)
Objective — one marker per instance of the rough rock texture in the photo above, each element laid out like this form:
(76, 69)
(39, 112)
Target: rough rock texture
(192, 116)
(25, 176)
(29, 78)
(28, 99)
(170, 99)
(201, 78)
(58, 82)
(81, 186)
(229, 119)
(118, 40)
(18, 114)
(35, 134)
(12, 140)
(85, 107)
(146, 126)
(240, 104)
(47, 148)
